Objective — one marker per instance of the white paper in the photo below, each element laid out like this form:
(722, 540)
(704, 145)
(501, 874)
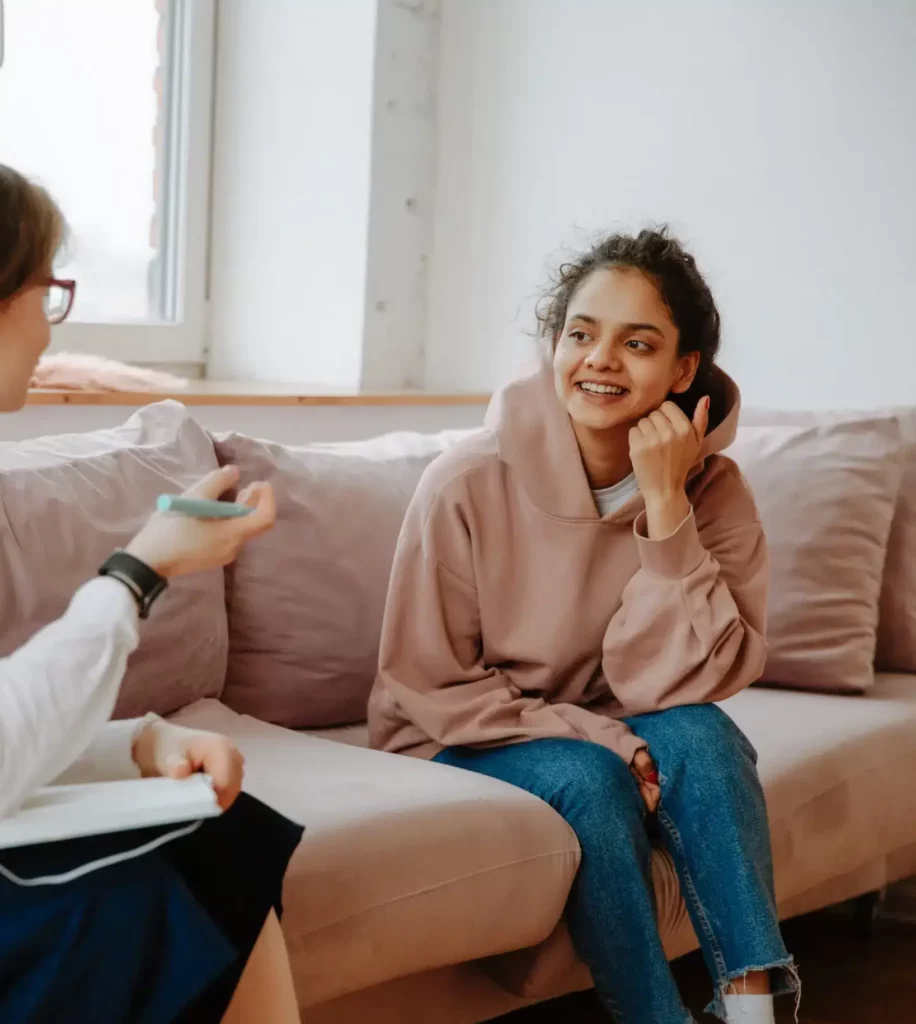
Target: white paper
(94, 808)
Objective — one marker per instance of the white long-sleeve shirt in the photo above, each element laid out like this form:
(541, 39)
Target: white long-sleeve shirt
(57, 693)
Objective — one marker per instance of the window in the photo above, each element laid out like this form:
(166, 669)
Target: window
(107, 103)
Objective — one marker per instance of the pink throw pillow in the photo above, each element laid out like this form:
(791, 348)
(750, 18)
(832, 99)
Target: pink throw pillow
(896, 642)
(67, 502)
(306, 600)
(826, 495)
(897, 608)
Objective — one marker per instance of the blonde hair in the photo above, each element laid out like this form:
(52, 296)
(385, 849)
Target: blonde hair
(32, 229)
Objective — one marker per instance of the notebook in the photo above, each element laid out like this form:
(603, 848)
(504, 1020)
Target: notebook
(94, 808)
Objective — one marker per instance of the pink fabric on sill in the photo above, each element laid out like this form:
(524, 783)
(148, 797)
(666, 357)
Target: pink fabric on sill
(826, 495)
(67, 502)
(80, 371)
(305, 601)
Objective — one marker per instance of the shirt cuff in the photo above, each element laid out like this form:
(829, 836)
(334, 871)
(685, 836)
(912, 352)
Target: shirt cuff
(102, 597)
(675, 556)
(627, 746)
(111, 752)
(109, 757)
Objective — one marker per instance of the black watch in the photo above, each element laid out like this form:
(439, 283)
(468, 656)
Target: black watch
(143, 582)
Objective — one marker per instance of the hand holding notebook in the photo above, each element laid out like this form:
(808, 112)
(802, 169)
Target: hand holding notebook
(56, 813)
(175, 752)
(188, 774)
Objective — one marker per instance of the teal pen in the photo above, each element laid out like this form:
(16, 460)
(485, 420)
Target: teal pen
(200, 508)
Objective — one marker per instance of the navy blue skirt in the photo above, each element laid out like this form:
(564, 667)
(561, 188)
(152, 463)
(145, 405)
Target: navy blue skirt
(159, 939)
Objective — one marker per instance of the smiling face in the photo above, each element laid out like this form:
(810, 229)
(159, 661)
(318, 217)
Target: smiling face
(616, 358)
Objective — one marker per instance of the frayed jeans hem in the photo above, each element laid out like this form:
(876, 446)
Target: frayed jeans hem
(789, 983)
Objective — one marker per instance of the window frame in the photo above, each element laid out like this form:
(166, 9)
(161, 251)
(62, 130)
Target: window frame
(185, 211)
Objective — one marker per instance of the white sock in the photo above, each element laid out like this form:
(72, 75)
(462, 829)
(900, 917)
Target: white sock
(741, 1008)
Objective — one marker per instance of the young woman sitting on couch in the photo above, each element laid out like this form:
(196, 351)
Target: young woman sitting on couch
(573, 589)
(187, 931)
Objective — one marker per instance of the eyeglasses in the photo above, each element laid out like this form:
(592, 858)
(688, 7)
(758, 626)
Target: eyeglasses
(59, 299)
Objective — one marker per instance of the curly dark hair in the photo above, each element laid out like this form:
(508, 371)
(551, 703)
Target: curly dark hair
(680, 284)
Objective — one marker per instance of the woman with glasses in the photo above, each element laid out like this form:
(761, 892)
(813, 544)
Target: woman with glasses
(96, 930)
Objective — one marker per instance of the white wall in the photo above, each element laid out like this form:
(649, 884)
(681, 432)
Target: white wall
(291, 178)
(779, 139)
(402, 194)
(324, 176)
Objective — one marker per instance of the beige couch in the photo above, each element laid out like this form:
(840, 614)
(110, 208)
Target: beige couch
(420, 893)
(428, 895)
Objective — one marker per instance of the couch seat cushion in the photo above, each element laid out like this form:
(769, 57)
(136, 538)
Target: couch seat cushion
(405, 865)
(828, 765)
(825, 763)
(409, 865)
(833, 769)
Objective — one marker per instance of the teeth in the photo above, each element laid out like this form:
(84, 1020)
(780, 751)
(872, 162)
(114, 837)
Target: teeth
(602, 389)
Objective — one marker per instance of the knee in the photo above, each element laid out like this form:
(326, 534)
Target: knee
(590, 783)
(578, 766)
(702, 740)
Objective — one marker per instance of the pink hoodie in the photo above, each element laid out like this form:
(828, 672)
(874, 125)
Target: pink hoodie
(515, 613)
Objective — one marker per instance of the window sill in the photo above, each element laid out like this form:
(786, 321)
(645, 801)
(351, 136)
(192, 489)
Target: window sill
(249, 394)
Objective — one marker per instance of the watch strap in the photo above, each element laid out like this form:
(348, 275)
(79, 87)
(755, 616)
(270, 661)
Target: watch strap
(143, 582)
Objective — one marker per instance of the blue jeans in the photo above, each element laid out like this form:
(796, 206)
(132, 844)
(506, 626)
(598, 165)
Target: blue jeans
(712, 819)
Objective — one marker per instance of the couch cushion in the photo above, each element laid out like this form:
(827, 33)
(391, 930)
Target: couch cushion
(408, 865)
(826, 495)
(405, 864)
(66, 502)
(823, 764)
(306, 600)
(896, 639)
(897, 611)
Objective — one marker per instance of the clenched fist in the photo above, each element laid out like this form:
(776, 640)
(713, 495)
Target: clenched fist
(175, 752)
(664, 446)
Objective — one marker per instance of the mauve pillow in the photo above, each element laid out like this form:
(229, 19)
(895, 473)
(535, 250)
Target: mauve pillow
(896, 641)
(66, 502)
(306, 600)
(897, 608)
(826, 495)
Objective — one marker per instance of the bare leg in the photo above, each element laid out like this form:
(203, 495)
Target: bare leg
(265, 989)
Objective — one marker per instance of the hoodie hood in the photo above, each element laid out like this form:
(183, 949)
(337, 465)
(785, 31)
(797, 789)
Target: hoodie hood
(534, 436)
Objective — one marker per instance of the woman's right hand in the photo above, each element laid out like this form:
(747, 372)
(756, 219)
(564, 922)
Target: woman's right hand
(174, 751)
(174, 545)
(646, 775)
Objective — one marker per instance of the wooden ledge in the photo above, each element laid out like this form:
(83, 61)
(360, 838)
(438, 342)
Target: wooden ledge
(210, 392)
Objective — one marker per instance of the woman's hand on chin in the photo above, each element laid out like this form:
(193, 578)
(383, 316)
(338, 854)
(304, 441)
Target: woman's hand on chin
(664, 446)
